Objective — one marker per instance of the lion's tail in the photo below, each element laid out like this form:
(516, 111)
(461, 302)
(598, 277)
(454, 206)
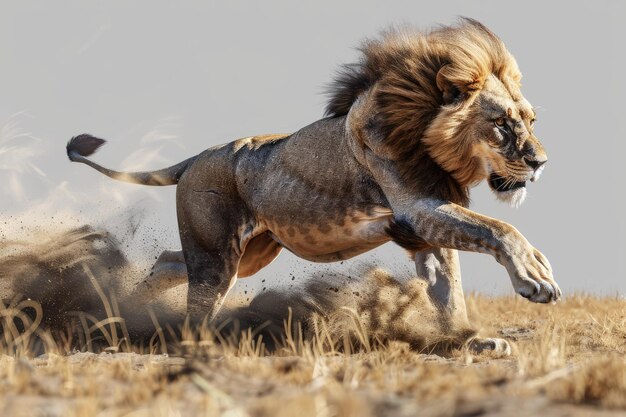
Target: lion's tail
(81, 146)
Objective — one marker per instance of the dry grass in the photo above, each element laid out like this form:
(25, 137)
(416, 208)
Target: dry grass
(74, 343)
(568, 359)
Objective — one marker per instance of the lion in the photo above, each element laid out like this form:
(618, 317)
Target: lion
(420, 119)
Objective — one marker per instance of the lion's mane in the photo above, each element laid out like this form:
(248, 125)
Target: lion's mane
(427, 133)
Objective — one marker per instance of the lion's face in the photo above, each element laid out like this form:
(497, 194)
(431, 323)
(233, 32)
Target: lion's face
(486, 134)
(511, 153)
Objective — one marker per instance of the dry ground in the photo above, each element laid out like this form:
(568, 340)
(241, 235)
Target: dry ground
(73, 342)
(569, 359)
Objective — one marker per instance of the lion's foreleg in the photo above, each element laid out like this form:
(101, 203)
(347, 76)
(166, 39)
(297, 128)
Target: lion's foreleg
(442, 224)
(430, 222)
(440, 268)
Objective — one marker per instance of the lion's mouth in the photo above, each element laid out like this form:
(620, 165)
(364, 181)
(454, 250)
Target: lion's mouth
(503, 184)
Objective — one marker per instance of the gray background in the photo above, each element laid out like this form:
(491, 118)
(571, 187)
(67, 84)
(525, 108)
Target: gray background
(165, 80)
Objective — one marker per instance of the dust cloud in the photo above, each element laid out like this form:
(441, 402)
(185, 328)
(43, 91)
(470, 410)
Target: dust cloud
(81, 274)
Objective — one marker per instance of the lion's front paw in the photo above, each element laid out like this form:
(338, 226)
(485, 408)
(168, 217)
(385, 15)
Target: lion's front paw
(498, 347)
(531, 275)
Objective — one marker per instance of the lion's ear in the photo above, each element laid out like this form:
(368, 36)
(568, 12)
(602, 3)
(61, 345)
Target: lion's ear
(451, 92)
(450, 84)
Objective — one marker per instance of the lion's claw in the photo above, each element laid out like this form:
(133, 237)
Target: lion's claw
(531, 275)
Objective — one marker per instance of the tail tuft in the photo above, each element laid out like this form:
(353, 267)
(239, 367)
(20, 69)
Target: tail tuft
(83, 145)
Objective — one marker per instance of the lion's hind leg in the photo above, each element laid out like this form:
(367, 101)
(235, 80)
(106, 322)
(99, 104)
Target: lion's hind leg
(211, 227)
(168, 271)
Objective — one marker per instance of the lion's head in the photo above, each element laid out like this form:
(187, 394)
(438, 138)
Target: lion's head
(486, 132)
(448, 108)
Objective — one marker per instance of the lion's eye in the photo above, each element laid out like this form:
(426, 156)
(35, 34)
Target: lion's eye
(532, 122)
(499, 121)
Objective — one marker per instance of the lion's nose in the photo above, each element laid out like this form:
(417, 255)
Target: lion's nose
(535, 163)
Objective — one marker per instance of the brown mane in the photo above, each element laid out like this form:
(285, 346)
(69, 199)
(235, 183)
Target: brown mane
(424, 84)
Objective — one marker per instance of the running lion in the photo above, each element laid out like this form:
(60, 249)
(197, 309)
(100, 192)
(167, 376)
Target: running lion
(411, 127)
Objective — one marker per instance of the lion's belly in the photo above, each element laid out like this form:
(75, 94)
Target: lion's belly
(331, 240)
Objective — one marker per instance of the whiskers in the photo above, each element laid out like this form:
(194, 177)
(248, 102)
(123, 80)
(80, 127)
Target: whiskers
(505, 192)
(508, 182)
